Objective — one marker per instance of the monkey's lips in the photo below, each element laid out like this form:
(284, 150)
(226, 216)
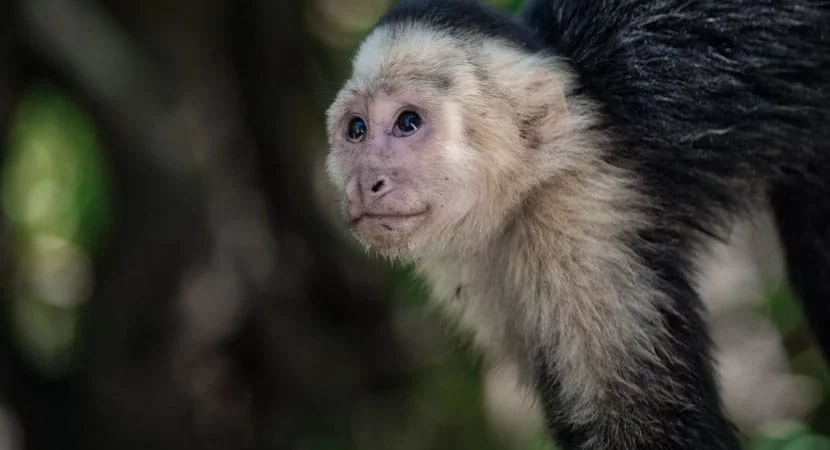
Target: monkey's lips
(387, 228)
(390, 219)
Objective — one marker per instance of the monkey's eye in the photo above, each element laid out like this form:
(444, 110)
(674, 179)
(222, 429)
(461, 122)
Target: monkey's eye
(357, 129)
(408, 122)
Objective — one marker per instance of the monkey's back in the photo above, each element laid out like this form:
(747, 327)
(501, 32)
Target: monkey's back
(702, 93)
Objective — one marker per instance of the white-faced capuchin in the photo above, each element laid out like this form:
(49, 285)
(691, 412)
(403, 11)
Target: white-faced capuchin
(556, 176)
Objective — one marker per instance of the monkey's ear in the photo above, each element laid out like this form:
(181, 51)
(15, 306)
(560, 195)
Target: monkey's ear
(545, 106)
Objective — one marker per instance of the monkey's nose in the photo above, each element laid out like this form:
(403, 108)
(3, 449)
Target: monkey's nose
(378, 187)
(363, 190)
(375, 187)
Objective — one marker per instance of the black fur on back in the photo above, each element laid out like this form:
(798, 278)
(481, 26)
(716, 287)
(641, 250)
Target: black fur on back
(702, 94)
(465, 17)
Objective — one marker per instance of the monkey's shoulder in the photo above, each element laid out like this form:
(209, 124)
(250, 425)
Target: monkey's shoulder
(717, 49)
(728, 78)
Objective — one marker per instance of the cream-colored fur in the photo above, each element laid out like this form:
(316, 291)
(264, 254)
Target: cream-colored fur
(528, 250)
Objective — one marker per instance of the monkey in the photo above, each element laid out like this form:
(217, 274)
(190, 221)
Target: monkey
(556, 174)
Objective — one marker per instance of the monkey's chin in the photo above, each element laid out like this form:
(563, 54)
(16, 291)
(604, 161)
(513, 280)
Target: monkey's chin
(389, 235)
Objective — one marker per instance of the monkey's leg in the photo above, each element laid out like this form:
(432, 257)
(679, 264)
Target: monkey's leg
(803, 218)
(632, 370)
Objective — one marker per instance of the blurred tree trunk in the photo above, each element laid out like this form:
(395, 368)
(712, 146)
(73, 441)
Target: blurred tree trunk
(223, 303)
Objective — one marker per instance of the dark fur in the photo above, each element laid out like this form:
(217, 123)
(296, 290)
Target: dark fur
(464, 16)
(711, 103)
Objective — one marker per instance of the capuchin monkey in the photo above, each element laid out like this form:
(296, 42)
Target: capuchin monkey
(555, 177)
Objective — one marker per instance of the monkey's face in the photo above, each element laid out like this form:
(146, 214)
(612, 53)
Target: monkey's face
(426, 148)
(400, 168)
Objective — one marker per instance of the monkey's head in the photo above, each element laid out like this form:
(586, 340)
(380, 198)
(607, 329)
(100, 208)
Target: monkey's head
(438, 137)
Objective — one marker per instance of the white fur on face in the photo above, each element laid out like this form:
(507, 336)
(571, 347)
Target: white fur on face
(425, 67)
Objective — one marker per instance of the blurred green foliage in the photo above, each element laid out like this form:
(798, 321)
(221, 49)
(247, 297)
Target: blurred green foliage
(54, 197)
(790, 436)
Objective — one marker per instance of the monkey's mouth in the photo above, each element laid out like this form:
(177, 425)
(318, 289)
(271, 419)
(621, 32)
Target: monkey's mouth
(387, 229)
(387, 220)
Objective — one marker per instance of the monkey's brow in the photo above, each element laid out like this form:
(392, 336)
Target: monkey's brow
(353, 93)
(394, 83)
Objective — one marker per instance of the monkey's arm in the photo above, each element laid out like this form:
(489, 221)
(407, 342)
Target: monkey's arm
(624, 363)
(612, 329)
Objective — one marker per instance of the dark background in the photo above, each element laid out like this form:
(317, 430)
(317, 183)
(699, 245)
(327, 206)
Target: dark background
(172, 275)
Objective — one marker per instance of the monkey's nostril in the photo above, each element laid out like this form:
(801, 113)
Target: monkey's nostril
(377, 186)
